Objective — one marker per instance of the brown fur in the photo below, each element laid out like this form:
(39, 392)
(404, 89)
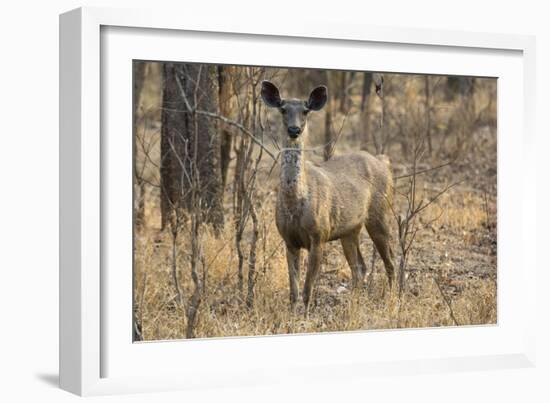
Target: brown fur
(318, 203)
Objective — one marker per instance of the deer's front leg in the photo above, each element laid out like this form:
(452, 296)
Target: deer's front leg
(293, 261)
(313, 266)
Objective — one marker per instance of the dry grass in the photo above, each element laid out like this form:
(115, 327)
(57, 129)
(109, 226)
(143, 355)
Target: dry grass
(468, 287)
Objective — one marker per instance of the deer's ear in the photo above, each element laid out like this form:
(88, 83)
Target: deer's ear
(317, 98)
(270, 94)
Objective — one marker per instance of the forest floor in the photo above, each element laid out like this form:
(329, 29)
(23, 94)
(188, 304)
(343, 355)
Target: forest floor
(451, 276)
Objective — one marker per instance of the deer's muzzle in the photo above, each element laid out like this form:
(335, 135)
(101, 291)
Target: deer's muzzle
(294, 131)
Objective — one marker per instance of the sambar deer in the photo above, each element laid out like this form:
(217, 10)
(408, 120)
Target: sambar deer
(318, 203)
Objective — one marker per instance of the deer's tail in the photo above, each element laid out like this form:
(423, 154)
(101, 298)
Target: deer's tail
(389, 184)
(385, 159)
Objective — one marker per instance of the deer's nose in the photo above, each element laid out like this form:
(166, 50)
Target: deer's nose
(294, 131)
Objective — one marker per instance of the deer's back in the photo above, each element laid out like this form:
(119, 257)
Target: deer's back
(359, 184)
(342, 193)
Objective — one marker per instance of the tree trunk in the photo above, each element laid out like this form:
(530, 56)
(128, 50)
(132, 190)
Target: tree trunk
(139, 196)
(365, 111)
(226, 109)
(343, 92)
(427, 109)
(328, 146)
(190, 143)
(203, 80)
(174, 134)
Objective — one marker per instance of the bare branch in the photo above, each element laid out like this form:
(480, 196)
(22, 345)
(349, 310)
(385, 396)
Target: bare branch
(446, 301)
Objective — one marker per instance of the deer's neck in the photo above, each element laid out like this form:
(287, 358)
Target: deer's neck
(293, 175)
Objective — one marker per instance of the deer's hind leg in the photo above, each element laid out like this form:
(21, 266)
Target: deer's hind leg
(350, 244)
(362, 263)
(379, 231)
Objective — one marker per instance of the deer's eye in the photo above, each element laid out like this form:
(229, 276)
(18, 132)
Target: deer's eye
(283, 111)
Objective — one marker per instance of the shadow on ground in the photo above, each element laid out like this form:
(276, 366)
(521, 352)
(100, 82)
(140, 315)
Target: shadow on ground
(49, 379)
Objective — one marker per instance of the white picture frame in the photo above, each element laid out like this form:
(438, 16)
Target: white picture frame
(96, 352)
